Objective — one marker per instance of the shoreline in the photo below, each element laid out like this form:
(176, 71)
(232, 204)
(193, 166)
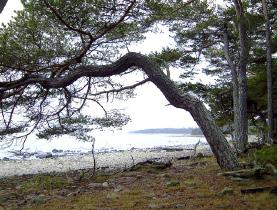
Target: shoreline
(104, 161)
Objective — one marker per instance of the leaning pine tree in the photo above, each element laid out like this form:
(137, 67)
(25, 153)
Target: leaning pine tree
(56, 56)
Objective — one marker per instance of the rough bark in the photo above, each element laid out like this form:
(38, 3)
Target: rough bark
(2, 5)
(224, 154)
(269, 73)
(234, 82)
(242, 132)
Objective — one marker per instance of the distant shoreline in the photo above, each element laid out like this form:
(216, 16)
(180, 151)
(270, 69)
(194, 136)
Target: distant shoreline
(183, 131)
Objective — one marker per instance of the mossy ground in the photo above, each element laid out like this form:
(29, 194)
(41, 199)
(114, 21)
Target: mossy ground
(187, 184)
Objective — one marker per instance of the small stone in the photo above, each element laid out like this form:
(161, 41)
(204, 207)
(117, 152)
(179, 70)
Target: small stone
(153, 206)
(173, 184)
(57, 150)
(227, 191)
(44, 155)
(95, 185)
(105, 184)
(48, 155)
(40, 199)
(64, 192)
(180, 206)
(6, 159)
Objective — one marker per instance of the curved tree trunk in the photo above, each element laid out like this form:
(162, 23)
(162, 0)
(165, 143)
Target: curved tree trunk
(2, 5)
(224, 154)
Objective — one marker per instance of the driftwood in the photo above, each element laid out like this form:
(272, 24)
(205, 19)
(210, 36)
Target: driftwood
(271, 189)
(194, 155)
(183, 158)
(246, 173)
(152, 163)
(198, 163)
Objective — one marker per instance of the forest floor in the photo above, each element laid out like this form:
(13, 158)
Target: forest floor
(183, 184)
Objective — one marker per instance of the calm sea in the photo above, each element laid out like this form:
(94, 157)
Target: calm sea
(104, 141)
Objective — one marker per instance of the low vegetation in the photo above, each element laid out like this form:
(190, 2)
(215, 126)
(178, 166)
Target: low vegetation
(184, 184)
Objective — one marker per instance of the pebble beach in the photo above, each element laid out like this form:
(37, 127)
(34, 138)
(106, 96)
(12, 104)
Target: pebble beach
(106, 161)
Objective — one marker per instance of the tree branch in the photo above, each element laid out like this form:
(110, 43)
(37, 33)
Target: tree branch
(220, 147)
(2, 5)
(122, 89)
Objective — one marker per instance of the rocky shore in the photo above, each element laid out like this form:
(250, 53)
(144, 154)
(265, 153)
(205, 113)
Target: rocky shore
(61, 161)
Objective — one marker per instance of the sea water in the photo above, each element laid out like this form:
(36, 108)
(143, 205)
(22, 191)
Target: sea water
(105, 141)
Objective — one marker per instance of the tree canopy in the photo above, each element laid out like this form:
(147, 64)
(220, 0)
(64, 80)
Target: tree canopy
(51, 39)
(211, 32)
(58, 55)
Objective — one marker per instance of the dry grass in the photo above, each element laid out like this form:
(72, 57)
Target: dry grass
(180, 186)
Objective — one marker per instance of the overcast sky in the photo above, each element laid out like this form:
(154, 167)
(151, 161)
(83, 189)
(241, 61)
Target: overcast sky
(150, 108)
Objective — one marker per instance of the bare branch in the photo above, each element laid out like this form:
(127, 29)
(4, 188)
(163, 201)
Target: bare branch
(94, 100)
(86, 95)
(123, 88)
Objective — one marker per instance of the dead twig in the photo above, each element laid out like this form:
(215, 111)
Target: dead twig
(195, 149)
(93, 157)
(271, 189)
(133, 161)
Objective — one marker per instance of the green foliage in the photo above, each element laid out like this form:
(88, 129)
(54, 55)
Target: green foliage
(198, 88)
(267, 154)
(11, 131)
(167, 56)
(51, 38)
(199, 34)
(37, 36)
(82, 125)
(44, 182)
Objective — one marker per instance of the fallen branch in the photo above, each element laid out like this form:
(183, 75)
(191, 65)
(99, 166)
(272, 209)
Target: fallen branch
(194, 152)
(154, 164)
(271, 189)
(184, 158)
(246, 173)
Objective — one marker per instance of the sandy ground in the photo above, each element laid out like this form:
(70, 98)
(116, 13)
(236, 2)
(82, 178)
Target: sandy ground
(108, 161)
